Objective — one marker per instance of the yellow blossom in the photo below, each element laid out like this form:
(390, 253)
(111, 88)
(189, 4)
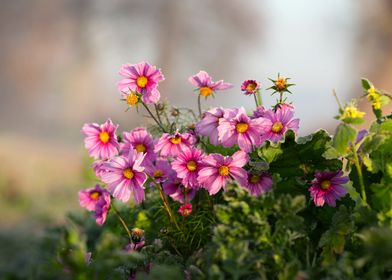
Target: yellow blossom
(352, 112)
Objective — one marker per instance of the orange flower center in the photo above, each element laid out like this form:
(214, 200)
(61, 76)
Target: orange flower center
(128, 173)
(158, 173)
(175, 140)
(223, 170)
(140, 148)
(104, 137)
(191, 165)
(205, 91)
(241, 127)
(251, 86)
(325, 185)
(138, 232)
(254, 179)
(132, 99)
(277, 127)
(280, 84)
(141, 81)
(95, 195)
(185, 190)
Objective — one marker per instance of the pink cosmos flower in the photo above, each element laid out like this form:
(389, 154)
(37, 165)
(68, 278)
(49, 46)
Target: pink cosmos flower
(237, 128)
(142, 78)
(250, 87)
(205, 85)
(102, 209)
(185, 210)
(208, 125)
(140, 140)
(258, 184)
(101, 140)
(96, 199)
(327, 187)
(219, 169)
(160, 170)
(277, 123)
(259, 112)
(98, 167)
(125, 176)
(187, 165)
(172, 145)
(177, 191)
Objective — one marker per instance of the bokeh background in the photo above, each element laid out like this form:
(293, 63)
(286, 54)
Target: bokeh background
(59, 62)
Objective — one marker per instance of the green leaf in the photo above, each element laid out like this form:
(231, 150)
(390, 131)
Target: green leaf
(366, 84)
(344, 136)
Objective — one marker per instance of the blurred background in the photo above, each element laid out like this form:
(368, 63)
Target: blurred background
(59, 63)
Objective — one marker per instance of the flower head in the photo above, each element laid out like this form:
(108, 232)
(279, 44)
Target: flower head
(219, 169)
(174, 188)
(96, 199)
(187, 165)
(237, 128)
(102, 209)
(99, 167)
(185, 209)
(208, 125)
(101, 140)
(172, 145)
(259, 112)
(205, 85)
(160, 170)
(125, 176)
(141, 78)
(258, 184)
(327, 187)
(352, 112)
(250, 87)
(141, 141)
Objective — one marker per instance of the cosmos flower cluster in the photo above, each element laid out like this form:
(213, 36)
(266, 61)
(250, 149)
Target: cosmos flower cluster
(177, 162)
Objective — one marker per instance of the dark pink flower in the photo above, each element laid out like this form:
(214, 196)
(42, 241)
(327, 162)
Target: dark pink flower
(102, 209)
(142, 78)
(101, 140)
(250, 87)
(327, 187)
(140, 140)
(172, 145)
(259, 112)
(219, 169)
(237, 128)
(258, 184)
(174, 188)
(96, 199)
(160, 170)
(187, 165)
(185, 210)
(205, 85)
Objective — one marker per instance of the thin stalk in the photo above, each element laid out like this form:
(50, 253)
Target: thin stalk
(122, 222)
(259, 99)
(199, 104)
(257, 103)
(281, 97)
(155, 119)
(157, 112)
(337, 99)
(360, 175)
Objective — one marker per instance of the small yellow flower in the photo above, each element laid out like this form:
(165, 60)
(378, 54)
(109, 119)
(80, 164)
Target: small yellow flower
(132, 99)
(352, 112)
(374, 96)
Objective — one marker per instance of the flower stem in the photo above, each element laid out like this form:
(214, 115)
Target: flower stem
(122, 222)
(199, 104)
(257, 103)
(259, 99)
(360, 175)
(155, 119)
(157, 112)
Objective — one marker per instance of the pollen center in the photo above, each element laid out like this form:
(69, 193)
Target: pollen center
(132, 99)
(205, 91)
(325, 185)
(191, 165)
(175, 140)
(277, 127)
(223, 170)
(251, 86)
(254, 179)
(95, 195)
(104, 137)
(241, 127)
(158, 173)
(141, 81)
(128, 173)
(280, 84)
(140, 148)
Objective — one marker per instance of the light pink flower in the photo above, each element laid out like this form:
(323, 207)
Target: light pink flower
(208, 125)
(237, 128)
(185, 210)
(187, 165)
(125, 176)
(142, 78)
(98, 167)
(102, 209)
(219, 169)
(101, 140)
(277, 123)
(205, 85)
(172, 145)
(96, 199)
(140, 140)
(327, 187)
(174, 188)
(259, 112)
(160, 170)
(258, 184)
(250, 87)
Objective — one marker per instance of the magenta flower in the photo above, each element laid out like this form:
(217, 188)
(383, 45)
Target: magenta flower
(172, 145)
(205, 85)
(277, 123)
(187, 165)
(101, 140)
(208, 125)
(250, 87)
(99, 167)
(219, 169)
(185, 210)
(125, 176)
(258, 184)
(237, 128)
(140, 140)
(102, 209)
(259, 112)
(327, 187)
(142, 78)
(96, 199)
(160, 170)
(177, 191)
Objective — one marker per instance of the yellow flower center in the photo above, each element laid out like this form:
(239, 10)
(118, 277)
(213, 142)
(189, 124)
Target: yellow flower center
(254, 179)
(140, 148)
(241, 127)
(277, 127)
(251, 86)
(191, 165)
(141, 81)
(185, 190)
(280, 84)
(352, 112)
(175, 140)
(104, 137)
(132, 99)
(223, 170)
(128, 173)
(205, 91)
(325, 185)
(138, 232)
(95, 195)
(158, 173)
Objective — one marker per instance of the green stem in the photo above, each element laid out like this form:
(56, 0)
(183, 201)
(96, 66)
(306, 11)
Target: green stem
(360, 175)
(199, 104)
(257, 103)
(337, 100)
(122, 222)
(157, 112)
(155, 119)
(259, 99)
(281, 97)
